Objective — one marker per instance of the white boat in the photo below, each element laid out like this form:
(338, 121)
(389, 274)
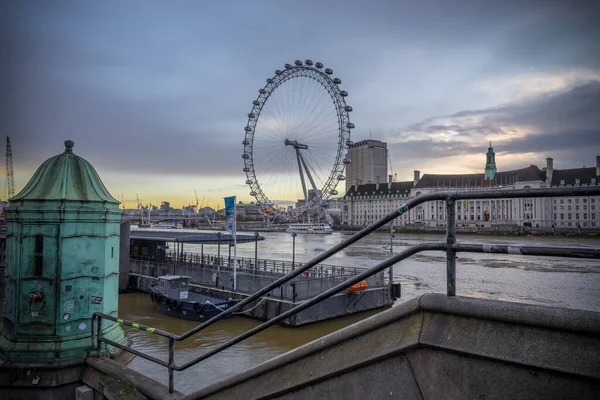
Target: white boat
(316, 229)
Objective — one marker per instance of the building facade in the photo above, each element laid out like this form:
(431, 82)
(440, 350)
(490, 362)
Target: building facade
(368, 163)
(366, 203)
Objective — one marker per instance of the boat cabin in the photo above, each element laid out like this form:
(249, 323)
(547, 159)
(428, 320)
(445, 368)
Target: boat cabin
(174, 286)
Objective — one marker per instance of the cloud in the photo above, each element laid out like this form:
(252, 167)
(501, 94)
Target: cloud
(564, 125)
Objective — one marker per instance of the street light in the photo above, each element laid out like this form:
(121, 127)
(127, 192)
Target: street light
(219, 250)
(255, 251)
(293, 249)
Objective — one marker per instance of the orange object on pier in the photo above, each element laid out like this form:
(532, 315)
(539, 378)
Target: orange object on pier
(358, 287)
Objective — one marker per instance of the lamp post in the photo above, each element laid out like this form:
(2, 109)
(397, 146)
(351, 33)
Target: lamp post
(391, 270)
(255, 251)
(293, 249)
(219, 251)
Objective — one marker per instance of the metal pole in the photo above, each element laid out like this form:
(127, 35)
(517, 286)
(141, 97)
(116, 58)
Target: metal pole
(391, 270)
(201, 254)
(255, 251)
(229, 256)
(171, 364)
(450, 250)
(293, 249)
(219, 251)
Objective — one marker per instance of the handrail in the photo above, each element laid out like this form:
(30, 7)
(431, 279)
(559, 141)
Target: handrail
(450, 246)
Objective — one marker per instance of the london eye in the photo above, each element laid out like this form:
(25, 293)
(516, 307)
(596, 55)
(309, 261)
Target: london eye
(296, 140)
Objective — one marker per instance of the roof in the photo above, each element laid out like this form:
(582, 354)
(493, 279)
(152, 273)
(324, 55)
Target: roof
(384, 188)
(190, 237)
(66, 177)
(527, 174)
(173, 277)
(569, 176)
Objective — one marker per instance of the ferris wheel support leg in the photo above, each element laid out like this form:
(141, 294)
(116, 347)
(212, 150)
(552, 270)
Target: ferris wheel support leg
(299, 157)
(310, 178)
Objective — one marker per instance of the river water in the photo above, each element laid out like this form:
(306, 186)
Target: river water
(561, 282)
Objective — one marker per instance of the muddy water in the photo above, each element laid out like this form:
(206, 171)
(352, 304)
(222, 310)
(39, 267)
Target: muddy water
(551, 281)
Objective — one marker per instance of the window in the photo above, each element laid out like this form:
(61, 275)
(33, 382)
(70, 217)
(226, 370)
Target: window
(562, 216)
(569, 217)
(38, 256)
(584, 216)
(576, 215)
(576, 201)
(562, 182)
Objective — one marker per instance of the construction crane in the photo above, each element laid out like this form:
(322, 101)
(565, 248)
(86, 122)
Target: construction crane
(10, 177)
(196, 196)
(391, 169)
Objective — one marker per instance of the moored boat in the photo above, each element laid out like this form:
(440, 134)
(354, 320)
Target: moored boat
(172, 295)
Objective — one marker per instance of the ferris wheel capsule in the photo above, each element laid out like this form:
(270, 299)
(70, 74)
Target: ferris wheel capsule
(298, 63)
(269, 80)
(246, 169)
(251, 115)
(319, 65)
(248, 129)
(328, 71)
(245, 156)
(288, 66)
(308, 62)
(334, 192)
(349, 143)
(248, 182)
(341, 177)
(253, 194)
(256, 103)
(337, 81)
(262, 91)
(350, 125)
(277, 72)
(246, 142)
(347, 161)
(343, 93)
(348, 108)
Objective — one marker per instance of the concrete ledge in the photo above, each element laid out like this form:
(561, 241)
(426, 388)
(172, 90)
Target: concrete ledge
(110, 368)
(427, 347)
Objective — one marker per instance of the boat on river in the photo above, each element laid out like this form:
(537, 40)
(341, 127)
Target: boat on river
(315, 229)
(172, 296)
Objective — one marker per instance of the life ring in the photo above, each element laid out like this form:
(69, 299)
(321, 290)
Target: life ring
(197, 307)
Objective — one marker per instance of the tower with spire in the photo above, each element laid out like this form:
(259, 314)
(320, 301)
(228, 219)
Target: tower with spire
(490, 164)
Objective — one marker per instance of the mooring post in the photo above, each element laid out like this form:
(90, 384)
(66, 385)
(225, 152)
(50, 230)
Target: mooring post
(450, 250)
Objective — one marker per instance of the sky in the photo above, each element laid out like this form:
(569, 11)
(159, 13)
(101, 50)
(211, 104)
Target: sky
(156, 94)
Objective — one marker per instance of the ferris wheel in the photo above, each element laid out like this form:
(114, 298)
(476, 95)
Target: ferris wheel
(296, 140)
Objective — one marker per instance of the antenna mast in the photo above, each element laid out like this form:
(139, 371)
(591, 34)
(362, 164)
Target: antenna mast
(10, 178)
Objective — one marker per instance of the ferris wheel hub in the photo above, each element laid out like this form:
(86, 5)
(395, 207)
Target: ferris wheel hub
(295, 144)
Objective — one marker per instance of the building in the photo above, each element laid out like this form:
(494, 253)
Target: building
(366, 203)
(368, 163)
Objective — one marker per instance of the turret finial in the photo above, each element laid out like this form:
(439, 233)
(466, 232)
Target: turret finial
(69, 146)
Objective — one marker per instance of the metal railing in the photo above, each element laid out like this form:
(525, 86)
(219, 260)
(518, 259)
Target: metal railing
(450, 246)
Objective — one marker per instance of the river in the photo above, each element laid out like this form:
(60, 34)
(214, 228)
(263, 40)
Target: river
(561, 282)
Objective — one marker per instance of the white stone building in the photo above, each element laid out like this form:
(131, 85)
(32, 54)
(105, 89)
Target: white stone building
(364, 204)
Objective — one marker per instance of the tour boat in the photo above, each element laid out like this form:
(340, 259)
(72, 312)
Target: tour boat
(319, 229)
(172, 295)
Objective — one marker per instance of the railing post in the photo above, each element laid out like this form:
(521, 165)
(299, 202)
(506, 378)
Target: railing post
(450, 251)
(171, 364)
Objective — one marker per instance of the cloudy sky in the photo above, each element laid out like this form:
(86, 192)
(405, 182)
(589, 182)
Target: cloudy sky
(155, 94)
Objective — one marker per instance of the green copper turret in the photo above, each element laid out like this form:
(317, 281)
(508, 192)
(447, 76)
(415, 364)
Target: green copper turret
(490, 164)
(62, 264)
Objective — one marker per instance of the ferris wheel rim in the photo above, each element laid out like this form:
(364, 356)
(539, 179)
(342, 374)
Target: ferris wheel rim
(298, 70)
